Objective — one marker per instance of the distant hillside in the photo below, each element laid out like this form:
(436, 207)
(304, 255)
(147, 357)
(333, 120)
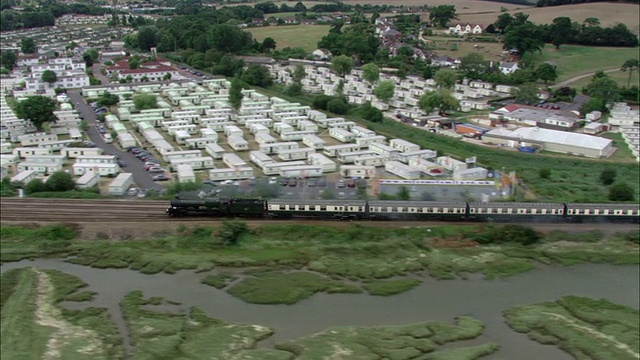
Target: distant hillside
(543, 3)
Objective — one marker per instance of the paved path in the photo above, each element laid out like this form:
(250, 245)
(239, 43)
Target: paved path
(140, 176)
(580, 77)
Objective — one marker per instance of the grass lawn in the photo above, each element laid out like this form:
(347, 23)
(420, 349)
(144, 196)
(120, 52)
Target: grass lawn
(621, 77)
(304, 36)
(585, 328)
(574, 60)
(390, 287)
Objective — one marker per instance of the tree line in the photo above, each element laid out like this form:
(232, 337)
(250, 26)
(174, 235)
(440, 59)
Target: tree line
(44, 15)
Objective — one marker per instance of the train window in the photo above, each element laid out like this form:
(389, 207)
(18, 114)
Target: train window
(282, 207)
(527, 211)
(419, 210)
(323, 207)
(440, 210)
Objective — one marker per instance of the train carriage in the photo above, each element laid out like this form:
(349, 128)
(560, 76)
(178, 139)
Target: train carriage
(616, 212)
(197, 207)
(547, 212)
(331, 209)
(417, 210)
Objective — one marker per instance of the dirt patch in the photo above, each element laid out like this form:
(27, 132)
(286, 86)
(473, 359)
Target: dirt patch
(47, 314)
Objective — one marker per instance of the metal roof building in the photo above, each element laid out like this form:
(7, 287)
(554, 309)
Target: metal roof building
(552, 140)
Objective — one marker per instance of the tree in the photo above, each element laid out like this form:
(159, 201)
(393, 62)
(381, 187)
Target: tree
(108, 99)
(504, 21)
(166, 77)
(134, 63)
(385, 90)
(403, 193)
(630, 65)
(257, 75)
(473, 65)
(60, 181)
(608, 176)
(561, 31)
(38, 110)
(299, 73)
(603, 87)
(320, 102)
(35, 186)
(49, 77)
(591, 21)
(338, 106)
(94, 53)
(145, 101)
(440, 100)
(621, 192)
(28, 46)
(442, 14)
(546, 72)
(371, 72)
(446, 78)
(232, 232)
(342, 64)
(8, 59)
(147, 37)
(235, 94)
(524, 38)
(87, 60)
(527, 93)
(269, 44)
(370, 113)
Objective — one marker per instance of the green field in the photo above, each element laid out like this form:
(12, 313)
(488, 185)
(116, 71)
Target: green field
(585, 328)
(620, 77)
(304, 36)
(574, 60)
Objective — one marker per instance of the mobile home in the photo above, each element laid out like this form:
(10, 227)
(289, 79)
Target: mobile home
(274, 148)
(313, 141)
(357, 171)
(295, 154)
(318, 159)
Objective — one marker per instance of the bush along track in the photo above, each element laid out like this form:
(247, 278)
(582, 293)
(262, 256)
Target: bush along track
(347, 259)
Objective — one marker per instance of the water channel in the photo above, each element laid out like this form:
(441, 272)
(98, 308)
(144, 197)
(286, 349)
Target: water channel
(433, 300)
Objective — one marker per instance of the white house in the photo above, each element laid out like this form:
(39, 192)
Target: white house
(464, 29)
(507, 67)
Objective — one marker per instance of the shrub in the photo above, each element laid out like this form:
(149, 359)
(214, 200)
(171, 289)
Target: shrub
(338, 106)
(621, 192)
(320, 102)
(232, 232)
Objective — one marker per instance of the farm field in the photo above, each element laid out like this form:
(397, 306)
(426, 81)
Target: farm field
(608, 13)
(462, 6)
(304, 36)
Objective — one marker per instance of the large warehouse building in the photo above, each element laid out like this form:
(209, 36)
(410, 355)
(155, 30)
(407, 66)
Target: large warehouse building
(552, 140)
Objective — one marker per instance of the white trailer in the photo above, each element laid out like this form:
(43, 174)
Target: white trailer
(318, 159)
(56, 145)
(258, 128)
(366, 141)
(186, 173)
(23, 152)
(36, 139)
(104, 169)
(182, 154)
(384, 150)
(362, 131)
(25, 176)
(216, 151)
(233, 131)
(233, 160)
(282, 128)
(259, 158)
(264, 138)
(73, 152)
(307, 125)
(334, 150)
(403, 145)
(313, 141)
(405, 157)
(295, 154)
(197, 163)
(181, 137)
(126, 140)
(273, 168)
(326, 122)
(199, 143)
(208, 133)
(341, 135)
(237, 143)
(316, 115)
(121, 184)
(342, 125)
(274, 148)
(220, 126)
(357, 171)
(293, 120)
(301, 171)
(240, 173)
(402, 170)
(191, 129)
(88, 180)
(295, 135)
(6, 148)
(262, 121)
(371, 160)
(350, 157)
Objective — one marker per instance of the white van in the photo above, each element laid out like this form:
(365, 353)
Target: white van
(108, 139)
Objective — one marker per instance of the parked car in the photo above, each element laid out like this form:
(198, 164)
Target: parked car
(131, 148)
(142, 193)
(132, 192)
(156, 170)
(89, 143)
(284, 181)
(293, 182)
(210, 182)
(161, 177)
(152, 166)
(351, 183)
(151, 162)
(341, 184)
(311, 183)
(122, 163)
(322, 183)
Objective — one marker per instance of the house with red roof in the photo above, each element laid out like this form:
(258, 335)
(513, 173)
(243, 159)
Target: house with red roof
(149, 71)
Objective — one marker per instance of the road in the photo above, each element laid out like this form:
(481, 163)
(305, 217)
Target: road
(580, 77)
(141, 177)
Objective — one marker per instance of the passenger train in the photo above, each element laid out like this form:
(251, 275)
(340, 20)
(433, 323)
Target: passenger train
(405, 210)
